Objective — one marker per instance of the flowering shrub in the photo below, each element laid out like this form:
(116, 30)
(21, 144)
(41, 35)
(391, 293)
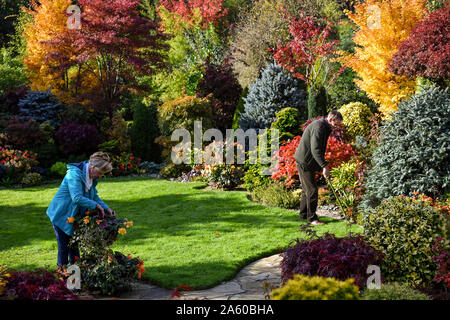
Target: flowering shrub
(34, 285)
(125, 163)
(102, 269)
(77, 138)
(216, 171)
(16, 163)
(328, 256)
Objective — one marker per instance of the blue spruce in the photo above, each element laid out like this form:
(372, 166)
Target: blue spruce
(276, 89)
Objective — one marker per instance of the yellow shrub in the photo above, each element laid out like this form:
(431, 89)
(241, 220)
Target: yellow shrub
(316, 288)
(356, 119)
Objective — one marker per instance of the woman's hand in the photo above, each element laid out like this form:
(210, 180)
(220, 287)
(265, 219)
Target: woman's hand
(102, 211)
(111, 212)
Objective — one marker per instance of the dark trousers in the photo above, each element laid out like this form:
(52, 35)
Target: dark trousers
(310, 194)
(66, 253)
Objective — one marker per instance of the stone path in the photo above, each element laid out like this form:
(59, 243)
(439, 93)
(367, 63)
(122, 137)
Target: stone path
(247, 285)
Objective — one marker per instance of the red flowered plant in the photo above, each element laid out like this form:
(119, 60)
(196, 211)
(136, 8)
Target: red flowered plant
(17, 158)
(36, 285)
(125, 164)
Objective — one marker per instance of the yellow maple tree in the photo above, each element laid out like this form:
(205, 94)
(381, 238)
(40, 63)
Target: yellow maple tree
(383, 25)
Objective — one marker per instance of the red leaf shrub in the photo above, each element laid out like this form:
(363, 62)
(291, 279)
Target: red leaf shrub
(338, 152)
(328, 256)
(224, 86)
(37, 285)
(23, 133)
(287, 169)
(77, 138)
(426, 53)
(286, 172)
(210, 10)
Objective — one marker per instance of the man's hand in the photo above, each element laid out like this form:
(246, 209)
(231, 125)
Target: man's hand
(102, 211)
(111, 212)
(326, 172)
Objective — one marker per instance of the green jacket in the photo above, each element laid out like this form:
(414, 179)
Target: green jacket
(310, 153)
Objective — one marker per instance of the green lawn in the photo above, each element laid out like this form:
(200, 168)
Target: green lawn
(185, 235)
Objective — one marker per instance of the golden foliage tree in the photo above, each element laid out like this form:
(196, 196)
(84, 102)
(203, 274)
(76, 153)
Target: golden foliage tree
(48, 20)
(383, 25)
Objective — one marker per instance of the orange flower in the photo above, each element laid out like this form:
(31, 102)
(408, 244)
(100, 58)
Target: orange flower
(99, 221)
(70, 220)
(129, 224)
(86, 220)
(122, 231)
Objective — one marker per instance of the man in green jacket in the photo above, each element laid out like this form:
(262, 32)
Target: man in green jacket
(310, 157)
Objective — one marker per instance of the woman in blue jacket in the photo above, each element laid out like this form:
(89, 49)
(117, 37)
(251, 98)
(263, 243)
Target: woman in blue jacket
(76, 194)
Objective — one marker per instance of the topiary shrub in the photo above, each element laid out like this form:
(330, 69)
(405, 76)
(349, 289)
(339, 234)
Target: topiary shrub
(276, 89)
(75, 138)
(413, 153)
(302, 287)
(404, 229)
(356, 119)
(182, 112)
(394, 291)
(329, 256)
(288, 123)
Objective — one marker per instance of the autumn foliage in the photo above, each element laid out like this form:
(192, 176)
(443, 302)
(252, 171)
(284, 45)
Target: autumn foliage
(336, 153)
(307, 54)
(376, 45)
(48, 20)
(210, 11)
(426, 53)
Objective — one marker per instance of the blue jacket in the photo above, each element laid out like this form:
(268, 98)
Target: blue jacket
(71, 198)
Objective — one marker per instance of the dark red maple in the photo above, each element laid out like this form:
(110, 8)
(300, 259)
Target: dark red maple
(310, 42)
(426, 53)
(210, 10)
(114, 44)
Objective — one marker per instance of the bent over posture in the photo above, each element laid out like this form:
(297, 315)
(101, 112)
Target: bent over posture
(310, 157)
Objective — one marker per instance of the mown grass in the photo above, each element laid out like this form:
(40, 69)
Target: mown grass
(184, 234)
